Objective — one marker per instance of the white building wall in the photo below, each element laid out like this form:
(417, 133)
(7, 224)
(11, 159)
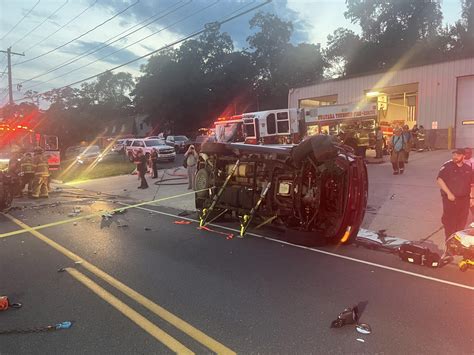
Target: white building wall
(436, 89)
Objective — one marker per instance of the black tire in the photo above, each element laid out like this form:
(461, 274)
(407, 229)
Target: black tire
(321, 147)
(202, 181)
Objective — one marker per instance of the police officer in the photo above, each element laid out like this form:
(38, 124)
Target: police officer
(28, 172)
(154, 162)
(41, 168)
(455, 178)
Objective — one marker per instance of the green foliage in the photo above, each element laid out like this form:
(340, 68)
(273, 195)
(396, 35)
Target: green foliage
(185, 88)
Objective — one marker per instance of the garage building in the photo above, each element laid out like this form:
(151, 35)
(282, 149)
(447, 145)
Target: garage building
(439, 97)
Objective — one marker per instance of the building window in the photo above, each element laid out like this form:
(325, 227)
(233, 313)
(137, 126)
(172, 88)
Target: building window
(312, 102)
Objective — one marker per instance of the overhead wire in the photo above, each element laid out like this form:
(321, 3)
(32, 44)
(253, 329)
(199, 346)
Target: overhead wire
(60, 28)
(80, 36)
(194, 34)
(40, 24)
(110, 41)
(16, 25)
(127, 46)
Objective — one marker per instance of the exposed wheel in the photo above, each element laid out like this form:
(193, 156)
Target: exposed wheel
(202, 181)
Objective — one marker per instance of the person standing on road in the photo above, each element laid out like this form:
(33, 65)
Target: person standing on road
(397, 157)
(421, 139)
(41, 168)
(455, 178)
(407, 138)
(414, 135)
(191, 158)
(154, 162)
(28, 172)
(141, 162)
(378, 143)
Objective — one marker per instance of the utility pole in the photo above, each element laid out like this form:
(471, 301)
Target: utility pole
(9, 59)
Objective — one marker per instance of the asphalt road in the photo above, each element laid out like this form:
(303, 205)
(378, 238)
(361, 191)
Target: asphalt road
(251, 295)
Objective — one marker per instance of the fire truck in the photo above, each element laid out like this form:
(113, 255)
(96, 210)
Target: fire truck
(285, 126)
(21, 139)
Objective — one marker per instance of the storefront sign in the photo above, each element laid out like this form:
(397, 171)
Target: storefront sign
(344, 112)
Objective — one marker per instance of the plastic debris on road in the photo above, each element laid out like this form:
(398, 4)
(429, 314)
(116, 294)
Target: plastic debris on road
(349, 315)
(363, 328)
(228, 235)
(182, 222)
(360, 340)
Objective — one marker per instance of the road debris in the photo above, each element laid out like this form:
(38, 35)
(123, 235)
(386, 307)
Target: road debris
(182, 222)
(107, 216)
(58, 326)
(228, 235)
(360, 340)
(147, 228)
(349, 315)
(363, 328)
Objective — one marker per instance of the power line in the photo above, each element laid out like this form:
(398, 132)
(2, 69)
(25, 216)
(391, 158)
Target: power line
(80, 36)
(131, 44)
(108, 42)
(194, 34)
(6, 34)
(41, 24)
(60, 28)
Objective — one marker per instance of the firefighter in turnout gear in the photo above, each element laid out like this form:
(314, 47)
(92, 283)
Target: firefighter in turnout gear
(27, 172)
(41, 169)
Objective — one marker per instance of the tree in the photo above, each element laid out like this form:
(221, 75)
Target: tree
(279, 64)
(405, 32)
(342, 46)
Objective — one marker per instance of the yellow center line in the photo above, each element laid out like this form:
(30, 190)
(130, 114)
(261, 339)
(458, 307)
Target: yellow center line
(96, 214)
(182, 325)
(130, 313)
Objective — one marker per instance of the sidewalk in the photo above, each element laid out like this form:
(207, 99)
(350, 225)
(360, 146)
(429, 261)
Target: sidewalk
(172, 182)
(407, 206)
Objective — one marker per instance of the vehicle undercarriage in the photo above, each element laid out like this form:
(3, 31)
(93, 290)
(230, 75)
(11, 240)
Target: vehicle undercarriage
(317, 186)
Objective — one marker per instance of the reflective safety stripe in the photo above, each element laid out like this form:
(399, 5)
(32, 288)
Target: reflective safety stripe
(42, 169)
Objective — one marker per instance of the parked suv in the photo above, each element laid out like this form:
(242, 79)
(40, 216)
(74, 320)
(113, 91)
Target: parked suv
(165, 152)
(180, 143)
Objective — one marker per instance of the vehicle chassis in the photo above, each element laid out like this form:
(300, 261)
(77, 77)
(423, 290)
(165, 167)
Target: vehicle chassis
(318, 186)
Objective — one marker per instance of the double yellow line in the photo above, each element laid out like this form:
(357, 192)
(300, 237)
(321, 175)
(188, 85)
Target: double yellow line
(127, 311)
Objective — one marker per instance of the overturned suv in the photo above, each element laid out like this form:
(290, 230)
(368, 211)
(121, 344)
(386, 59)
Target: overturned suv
(317, 188)
(6, 190)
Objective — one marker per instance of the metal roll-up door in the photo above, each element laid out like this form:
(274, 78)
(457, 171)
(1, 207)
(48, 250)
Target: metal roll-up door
(465, 112)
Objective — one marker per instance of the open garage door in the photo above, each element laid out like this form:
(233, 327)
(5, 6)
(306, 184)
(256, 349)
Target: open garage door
(465, 112)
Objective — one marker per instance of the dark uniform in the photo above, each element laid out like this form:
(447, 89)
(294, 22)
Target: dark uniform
(154, 163)
(28, 172)
(458, 180)
(142, 169)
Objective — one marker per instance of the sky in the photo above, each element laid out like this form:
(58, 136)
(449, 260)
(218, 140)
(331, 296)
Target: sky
(63, 40)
